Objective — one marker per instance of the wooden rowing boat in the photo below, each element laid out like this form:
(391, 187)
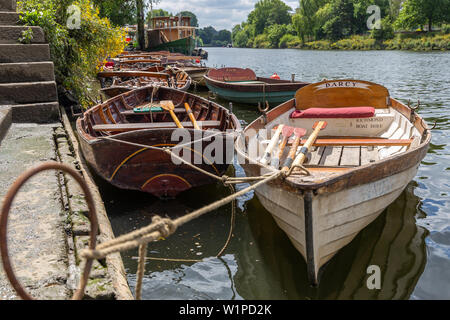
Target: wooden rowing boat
(153, 76)
(358, 165)
(196, 73)
(243, 86)
(129, 117)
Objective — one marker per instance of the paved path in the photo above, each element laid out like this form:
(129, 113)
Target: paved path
(36, 236)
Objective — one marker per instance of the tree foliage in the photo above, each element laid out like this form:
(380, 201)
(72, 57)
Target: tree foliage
(194, 20)
(79, 53)
(333, 20)
(214, 38)
(423, 12)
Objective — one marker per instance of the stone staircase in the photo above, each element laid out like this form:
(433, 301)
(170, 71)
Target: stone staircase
(27, 80)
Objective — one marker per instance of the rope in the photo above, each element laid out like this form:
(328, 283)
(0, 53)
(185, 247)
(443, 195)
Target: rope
(225, 179)
(162, 227)
(141, 270)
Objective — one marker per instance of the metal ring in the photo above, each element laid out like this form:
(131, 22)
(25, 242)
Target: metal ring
(7, 203)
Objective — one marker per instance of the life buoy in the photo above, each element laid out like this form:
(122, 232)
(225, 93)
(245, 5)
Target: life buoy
(275, 76)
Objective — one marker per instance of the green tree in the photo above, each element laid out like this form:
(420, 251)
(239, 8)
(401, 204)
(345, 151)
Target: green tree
(267, 13)
(361, 15)
(342, 22)
(274, 34)
(119, 12)
(423, 12)
(309, 18)
(194, 20)
(207, 34)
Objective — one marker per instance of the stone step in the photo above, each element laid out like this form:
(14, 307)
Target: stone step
(47, 112)
(10, 53)
(11, 34)
(8, 5)
(27, 72)
(8, 18)
(5, 121)
(28, 92)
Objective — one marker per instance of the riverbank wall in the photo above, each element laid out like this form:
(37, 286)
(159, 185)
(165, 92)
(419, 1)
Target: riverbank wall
(49, 222)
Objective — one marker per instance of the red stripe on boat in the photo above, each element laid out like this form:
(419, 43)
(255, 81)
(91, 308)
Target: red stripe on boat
(329, 113)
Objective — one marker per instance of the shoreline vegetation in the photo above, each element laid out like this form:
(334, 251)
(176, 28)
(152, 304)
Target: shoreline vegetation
(344, 25)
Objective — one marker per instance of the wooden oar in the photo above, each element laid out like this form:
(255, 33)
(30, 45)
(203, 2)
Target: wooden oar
(299, 134)
(272, 144)
(307, 146)
(287, 132)
(168, 105)
(191, 116)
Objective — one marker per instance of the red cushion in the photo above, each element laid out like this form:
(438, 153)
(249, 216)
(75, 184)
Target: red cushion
(355, 112)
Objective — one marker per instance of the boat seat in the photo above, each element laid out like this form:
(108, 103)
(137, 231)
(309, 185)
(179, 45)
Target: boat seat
(131, 112)
(124, 127)
(334, 113)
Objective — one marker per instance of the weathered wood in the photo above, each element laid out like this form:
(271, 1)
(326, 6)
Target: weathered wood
(331, 156)
(350, 156)
(315, 156)
(123, 127)
(131, 112)
(138, 168)
(369, 155)
(140, 61)
(132, 74)
(361, 142)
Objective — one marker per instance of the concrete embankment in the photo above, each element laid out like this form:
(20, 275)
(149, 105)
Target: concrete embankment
(49, 222)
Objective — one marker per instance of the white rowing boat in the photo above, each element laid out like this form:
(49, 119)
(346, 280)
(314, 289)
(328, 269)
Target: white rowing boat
(368, 152)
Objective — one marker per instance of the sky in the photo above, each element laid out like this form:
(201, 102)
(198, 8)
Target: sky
(221, 14)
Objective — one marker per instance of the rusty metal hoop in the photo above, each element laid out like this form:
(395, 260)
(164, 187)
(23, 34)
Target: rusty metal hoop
(9, 198)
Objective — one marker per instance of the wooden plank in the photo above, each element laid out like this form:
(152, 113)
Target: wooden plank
(369, 155)
(361, 142)
(350, 156)
(140, 61)
(131, 112)
(123, 74)
(315, 156)
(123, 127)
(331, 156)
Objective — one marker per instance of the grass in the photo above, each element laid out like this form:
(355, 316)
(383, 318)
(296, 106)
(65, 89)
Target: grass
(420, 42)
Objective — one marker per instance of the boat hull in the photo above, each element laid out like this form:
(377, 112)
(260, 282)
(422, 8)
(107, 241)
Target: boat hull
(273, 93)
(272, 98)
(320, 225)
(152, 171)
(185, 46)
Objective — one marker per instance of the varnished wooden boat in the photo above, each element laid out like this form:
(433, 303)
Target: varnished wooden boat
(153, 171)
(195, 72)
(358, 165)
(243, 86)
(157, 76)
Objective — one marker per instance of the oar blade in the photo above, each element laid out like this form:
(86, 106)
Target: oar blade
(287, 131)
(167, 105)
(300, 132)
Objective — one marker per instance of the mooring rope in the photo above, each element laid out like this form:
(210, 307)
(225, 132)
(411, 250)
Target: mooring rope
(137, 239)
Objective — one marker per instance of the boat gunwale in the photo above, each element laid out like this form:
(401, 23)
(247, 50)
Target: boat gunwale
(354, 176)
(270, 87)
(91, 139)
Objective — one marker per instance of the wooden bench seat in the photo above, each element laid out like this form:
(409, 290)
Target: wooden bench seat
(360, 142)
(124, 127)
(131, 112)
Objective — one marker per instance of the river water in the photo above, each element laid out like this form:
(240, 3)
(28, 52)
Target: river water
(410, 241)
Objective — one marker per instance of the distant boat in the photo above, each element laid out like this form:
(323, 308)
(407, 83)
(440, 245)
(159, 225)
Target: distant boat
(173, 34)
(369, 149)
(157, 76)
(243, 86)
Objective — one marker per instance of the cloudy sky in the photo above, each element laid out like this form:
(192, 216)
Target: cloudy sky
(221, 14)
